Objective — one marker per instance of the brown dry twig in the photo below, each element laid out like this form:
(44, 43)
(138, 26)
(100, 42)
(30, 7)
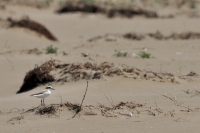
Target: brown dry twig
(80, 107)
(60, 100)
(84, 96)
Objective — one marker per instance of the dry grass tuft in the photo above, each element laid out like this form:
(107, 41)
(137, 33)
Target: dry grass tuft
(49, 110)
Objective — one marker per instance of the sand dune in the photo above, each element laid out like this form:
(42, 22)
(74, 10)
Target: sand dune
(130, 94)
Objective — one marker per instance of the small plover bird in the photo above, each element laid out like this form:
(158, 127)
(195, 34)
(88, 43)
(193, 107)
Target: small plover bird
(43, 94)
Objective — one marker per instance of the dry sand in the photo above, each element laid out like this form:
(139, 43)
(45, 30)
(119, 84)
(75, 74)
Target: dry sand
(73, 32)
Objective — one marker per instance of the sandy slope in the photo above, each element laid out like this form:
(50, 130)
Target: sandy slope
(73, 31)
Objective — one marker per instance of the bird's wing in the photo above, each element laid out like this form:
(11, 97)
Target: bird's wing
(39, 93)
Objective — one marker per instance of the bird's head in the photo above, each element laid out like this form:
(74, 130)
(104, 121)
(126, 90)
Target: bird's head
(50, 88)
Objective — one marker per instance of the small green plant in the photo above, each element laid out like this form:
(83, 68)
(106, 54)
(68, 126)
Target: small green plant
(64, 53)
(120, 53)
(144, 54)
(192, 4)
(61, 3)
(88, 1)
(50, 49)
(48, 2)
(163, 3)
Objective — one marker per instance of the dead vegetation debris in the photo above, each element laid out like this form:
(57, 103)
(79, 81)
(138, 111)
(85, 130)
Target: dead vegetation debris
(86, 7)
(189, 77)
(46, 110)
(106, 111)
(122, 109)
(32, 51)
(39, 75)
(127, 109)
(134, 36)
(26, 51)
(72, 106)
(195, 93)
(30, 3)
(74, 72)
(192, 74)
(107, 37)
(50, 110)
(157, 36)
(16, 119)
(175, 36)
(27, 23)
(67, 72)
(121, 105)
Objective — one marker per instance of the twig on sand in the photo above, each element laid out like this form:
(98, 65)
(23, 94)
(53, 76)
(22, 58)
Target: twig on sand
(158, 109)
(84, 96)
(60, 99)
(80, 108)
(5, 50)
(181, 120)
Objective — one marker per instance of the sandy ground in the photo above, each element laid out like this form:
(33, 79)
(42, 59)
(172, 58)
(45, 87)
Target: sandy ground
(73, 31)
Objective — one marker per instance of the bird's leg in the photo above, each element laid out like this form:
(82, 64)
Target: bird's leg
(43, 101)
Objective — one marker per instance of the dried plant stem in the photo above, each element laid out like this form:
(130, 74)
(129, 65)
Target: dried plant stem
(80, 107)
(60, 99)
(111, 102)
(84, 96)
(5, 51)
